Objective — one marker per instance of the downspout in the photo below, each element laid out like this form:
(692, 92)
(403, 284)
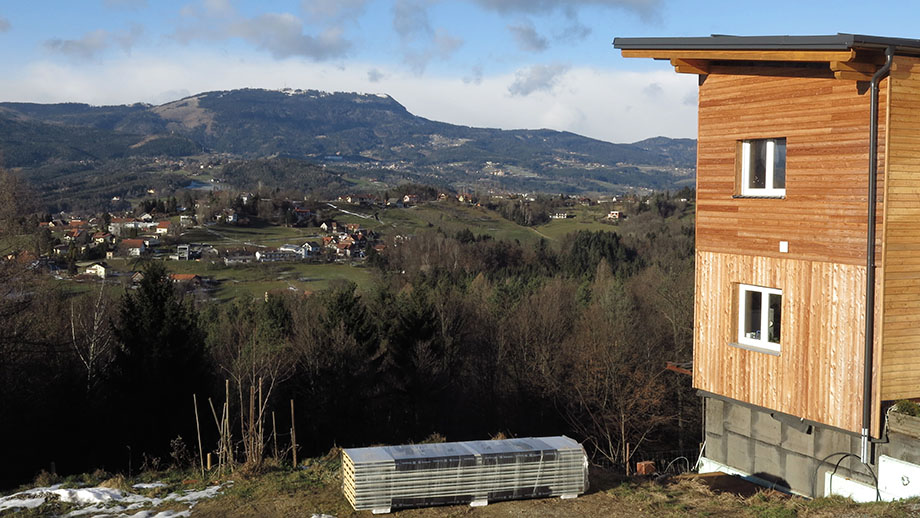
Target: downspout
(870, 254)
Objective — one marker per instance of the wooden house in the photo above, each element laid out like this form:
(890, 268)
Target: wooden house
(807, 302)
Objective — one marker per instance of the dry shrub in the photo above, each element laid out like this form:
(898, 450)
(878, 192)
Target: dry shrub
(45, 479)
(434, 438)
(116, 482)
(334, 453)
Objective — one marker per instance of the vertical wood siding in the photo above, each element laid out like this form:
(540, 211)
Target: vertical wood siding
(900, 349)
(818, 374)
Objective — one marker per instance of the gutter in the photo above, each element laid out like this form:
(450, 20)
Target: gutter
(870, 255)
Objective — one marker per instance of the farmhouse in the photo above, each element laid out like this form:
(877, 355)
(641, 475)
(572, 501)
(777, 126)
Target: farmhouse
(807, 295)
(133, 247)
(97, 269)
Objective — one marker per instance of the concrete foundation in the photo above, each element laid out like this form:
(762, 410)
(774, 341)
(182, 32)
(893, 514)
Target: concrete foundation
(791, 455)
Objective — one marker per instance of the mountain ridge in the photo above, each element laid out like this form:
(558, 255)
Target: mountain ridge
(370, 135)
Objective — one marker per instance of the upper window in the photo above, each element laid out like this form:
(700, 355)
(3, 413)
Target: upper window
(763, 167)
(760, 316)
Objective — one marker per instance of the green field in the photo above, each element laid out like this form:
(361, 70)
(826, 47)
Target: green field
(253, 280)
(254, 235)
(586, 218)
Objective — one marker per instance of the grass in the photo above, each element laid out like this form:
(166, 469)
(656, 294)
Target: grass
(246, 281)
(256, 234)
(315, 488)
(253, 280)
(451, 218)
(586, 218)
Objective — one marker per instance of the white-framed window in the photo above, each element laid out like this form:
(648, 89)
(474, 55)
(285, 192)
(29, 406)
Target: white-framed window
(763, 167)
(760, 312)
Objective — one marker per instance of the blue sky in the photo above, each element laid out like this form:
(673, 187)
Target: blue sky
(496, 63)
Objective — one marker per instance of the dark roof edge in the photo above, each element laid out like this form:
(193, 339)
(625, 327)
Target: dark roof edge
(724, 42)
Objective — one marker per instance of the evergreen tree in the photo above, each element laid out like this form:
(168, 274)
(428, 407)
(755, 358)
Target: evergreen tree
(159, 365)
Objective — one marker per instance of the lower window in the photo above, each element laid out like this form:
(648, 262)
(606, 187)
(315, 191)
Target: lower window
(760, 316)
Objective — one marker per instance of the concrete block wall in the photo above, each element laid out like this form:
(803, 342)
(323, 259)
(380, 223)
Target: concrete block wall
(749, 439)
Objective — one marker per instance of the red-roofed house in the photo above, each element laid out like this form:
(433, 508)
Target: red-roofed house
(163, 227)
(133, 247)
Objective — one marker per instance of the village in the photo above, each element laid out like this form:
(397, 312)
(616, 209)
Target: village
(296, 245)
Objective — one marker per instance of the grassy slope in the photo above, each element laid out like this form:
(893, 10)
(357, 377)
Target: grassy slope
(317, 489)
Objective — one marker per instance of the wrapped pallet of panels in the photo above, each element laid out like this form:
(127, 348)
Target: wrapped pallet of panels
(383, 478)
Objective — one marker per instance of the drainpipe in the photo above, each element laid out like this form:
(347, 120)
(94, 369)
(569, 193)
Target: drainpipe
(870, 254)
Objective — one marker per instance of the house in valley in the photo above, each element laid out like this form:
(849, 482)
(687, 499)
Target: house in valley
(807, 304)
(97, 269)
(133, 247)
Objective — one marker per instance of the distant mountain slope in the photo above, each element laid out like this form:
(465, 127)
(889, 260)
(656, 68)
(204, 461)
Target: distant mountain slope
(29, 143)
(361, 132)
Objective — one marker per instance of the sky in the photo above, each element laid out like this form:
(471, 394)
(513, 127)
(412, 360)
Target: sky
(489, 63)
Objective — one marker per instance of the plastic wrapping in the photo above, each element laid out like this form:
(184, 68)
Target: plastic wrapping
(383, 478)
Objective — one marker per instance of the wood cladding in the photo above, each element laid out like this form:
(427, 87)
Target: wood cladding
(900, 329)
(826, 126)
(818, 373)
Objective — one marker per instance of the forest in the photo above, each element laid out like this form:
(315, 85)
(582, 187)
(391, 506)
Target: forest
(460, 336)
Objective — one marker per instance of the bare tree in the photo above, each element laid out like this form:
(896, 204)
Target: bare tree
(91, 333)
(256, 356)
(614, 393)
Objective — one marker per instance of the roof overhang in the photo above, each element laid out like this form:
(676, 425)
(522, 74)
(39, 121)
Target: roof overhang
(847, 56)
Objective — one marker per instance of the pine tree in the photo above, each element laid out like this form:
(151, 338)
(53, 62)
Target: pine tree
(159, 365)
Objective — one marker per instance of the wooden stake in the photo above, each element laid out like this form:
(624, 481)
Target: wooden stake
(225, 461)
(293, 435)
(627, 459)
(275, 435)
(261, 432)
(243, 422)
(209, 461)
(251, 439)
(198, 429)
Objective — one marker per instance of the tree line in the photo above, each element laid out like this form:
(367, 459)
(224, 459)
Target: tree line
(458, 335)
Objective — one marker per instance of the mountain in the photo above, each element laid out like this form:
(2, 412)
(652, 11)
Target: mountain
(370, 136)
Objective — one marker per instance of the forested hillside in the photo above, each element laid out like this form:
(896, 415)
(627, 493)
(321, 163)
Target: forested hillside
(459, 334)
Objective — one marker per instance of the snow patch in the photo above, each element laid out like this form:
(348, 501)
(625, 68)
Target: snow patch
(24, 503)
(93, 495)
(106, 502)
(149, 485)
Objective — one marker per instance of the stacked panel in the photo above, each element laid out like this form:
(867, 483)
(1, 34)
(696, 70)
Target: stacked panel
(383, 478)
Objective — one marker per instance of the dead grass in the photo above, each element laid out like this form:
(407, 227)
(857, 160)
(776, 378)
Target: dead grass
(276, 491)
(316, 489)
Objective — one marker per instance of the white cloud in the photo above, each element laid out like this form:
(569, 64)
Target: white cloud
(219, 7)
(527, 37)
(653, 90)
(475, 76)
(536, 78)
(419, 41)
(410, 19)
(334, 9)
(574, 31)
(94, 43)
(374, 75)
(283, 36)
(604, 104)
(646, 9)
(4, 24)
(280, 34)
